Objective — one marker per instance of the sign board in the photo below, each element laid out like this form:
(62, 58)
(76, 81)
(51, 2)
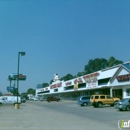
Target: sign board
(10, 88)
(14, 77)
(39, 85)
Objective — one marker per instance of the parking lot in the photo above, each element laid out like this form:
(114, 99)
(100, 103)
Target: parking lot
(64, 115)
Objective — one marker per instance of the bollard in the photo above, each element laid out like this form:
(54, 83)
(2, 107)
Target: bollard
(17, 106)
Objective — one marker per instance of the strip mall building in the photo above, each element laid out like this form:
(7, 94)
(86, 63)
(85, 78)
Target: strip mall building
(114, 81)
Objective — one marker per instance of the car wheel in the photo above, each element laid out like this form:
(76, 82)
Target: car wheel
(85, 104)
(99, 104)
(95, 106)
(111, 105)
(0, 104)
(121, 109)
(58, 100)
(127, 108)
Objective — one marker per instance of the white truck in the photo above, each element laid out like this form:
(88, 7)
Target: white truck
(9, 100)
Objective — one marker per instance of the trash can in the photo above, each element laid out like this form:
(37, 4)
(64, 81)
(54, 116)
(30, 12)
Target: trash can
(17, 106)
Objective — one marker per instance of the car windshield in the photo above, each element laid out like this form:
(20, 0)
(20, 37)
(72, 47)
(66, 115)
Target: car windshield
(124, 100)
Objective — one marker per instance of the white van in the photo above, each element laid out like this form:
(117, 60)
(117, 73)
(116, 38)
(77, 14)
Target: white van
(9, 100)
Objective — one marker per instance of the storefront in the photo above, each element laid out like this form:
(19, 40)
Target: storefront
(114, 81)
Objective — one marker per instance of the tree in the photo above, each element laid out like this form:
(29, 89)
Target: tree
(31, 91)
(1, 94)
(80, 74)
(25, 95)
(15, 92)
(51, 81)
(99, 64)
(67, 77)
(112, 61)
(95, 65)
(45, 85)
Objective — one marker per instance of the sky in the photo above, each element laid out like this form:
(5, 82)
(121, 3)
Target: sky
(60, 36)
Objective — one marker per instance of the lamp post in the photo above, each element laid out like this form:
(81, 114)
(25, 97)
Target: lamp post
(22, 54)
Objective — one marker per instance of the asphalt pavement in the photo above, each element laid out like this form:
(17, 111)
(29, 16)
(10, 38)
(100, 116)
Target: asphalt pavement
(31, 116)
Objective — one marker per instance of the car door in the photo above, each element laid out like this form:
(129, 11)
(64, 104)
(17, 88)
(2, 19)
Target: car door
(109, 99)
(103, 99)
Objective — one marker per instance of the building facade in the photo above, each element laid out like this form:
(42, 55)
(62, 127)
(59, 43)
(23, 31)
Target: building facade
(114, 81)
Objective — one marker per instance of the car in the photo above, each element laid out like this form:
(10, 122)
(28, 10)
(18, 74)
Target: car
(123, 104)
(53, 99)
(23, 100)
(84, 101)
(98, 100)
(42, 99)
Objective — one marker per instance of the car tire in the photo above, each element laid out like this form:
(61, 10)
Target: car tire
(85, 104)
(111, 105)
(127, 108)
(58, 100)
(94, 106)
(0, 104)
(120, 109)
(99, 104)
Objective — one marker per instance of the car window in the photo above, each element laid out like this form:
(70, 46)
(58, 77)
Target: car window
(102, 97)
(91, 97)
(108, 97)
(84, 98)
(96, 97)
(124, 100)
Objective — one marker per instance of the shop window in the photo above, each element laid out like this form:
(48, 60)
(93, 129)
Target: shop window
(103, 81)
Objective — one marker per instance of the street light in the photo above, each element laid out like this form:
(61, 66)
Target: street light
(22, 54)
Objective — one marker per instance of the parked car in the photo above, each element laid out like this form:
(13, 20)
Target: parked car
(98, 100)
(123, 104)
(23, 100)
(42, 99)
(34, 98)
(53, 99)
(84, 100)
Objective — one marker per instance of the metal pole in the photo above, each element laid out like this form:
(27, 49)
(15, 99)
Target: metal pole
(18, 76)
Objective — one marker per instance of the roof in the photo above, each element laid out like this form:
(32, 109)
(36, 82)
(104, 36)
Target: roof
(127, 65)
(107, 73)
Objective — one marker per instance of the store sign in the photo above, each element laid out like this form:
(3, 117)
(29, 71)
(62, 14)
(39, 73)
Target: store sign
(10, 88)
(68, 83)
(78, 81)
(42, 90)
(56, 85)
(91, 79)
(123, 78)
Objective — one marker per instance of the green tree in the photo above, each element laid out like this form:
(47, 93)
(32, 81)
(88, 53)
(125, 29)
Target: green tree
(51, 81)
(80, 74)
(15, 92)
(112, 61)
(45, 85)
(25, 95)
(31, 91)
(67, 77)
(1, 94)
(95, 65)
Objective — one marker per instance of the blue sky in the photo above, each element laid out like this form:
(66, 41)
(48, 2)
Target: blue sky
(60, 36)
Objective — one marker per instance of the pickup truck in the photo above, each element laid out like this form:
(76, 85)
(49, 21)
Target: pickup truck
(100, 99)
